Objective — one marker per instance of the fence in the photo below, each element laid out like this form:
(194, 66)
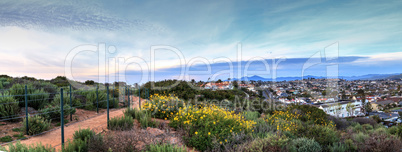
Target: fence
(21, 103)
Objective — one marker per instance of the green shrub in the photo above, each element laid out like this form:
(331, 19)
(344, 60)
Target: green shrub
(18, 91)
(165, 148)
(8, 106)
(145, 120)
(269, 143)
(131, 112)
(84, 134)
(305, 145)
(358, 128)
(46, 86)
(367, 127)
(360, 137)
(322, 134)
(251, 115)
(102, 98)
(18, 147)
(6, 139)
(351, 146)
(54, 112)
(262, 128)
(76, 145)
(75, 102)
(392, 130)
(16, 129)
(37, 124)
(19, 136)
(381, 131)
(338, 147)
(399, 131)
(121, 123)
(37, 99)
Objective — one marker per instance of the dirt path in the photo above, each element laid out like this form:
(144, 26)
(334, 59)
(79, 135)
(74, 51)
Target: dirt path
(97, 123)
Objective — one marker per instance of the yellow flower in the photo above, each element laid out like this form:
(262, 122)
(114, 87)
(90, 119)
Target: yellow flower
(209, 133)
(196, 133)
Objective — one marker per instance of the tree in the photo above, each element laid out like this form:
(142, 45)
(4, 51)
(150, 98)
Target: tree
(89, 82)
(350, 108)
(235, 84)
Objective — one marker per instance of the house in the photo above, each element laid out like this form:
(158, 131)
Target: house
(344, 108)
(380, 104)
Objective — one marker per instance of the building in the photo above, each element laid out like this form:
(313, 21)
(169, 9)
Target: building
(345, 108)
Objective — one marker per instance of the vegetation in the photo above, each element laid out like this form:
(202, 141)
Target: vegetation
(54, 112)
(37, 124)
(8, 106)
(6, 139)
(80, 142)
(165, 148)
(18, 147)
(190, 92)
(121, 123)
(204, 123)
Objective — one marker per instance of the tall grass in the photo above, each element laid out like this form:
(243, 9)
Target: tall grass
(121, 123)
(165, 148)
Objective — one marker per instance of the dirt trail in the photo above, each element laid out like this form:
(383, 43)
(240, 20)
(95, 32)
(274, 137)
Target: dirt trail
(97, 123)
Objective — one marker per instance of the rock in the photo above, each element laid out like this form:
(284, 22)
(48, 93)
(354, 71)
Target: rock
(155, 131)
(30, 110)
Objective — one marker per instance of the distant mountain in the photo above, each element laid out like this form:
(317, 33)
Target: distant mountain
(395, 77)
(362, 77)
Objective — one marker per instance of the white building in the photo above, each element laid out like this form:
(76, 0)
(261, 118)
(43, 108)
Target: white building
(342, 109)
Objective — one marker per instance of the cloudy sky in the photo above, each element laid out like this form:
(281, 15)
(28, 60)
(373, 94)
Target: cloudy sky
(98, 39)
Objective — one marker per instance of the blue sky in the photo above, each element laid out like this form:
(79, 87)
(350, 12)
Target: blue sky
(38, 35)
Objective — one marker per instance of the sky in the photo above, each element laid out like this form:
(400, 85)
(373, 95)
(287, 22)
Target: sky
(138, 41)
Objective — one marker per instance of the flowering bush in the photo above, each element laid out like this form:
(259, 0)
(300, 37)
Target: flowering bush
(163, 107)
(209, 122)
(284, 120)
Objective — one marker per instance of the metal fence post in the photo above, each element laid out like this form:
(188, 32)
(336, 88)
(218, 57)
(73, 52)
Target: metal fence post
(139, 96)
(107, 88)
(71, 104)
(26, 108)
(147, 94)
(97, 100)
(62, 116)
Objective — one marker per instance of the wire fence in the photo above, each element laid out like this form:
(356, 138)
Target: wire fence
(19, 108)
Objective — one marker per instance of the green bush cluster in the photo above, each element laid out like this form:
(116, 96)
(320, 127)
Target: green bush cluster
(37, 98)
(142, 116)
(8, 106)
(164, 148)
(66, 100)
(251, 115)
(270, 143)
(84, 134)
(80, 141)
(121, 123)
(36, 124)
(53, 112)
(18, 147)
(6, 139)
(305, 145)
(90, 97)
